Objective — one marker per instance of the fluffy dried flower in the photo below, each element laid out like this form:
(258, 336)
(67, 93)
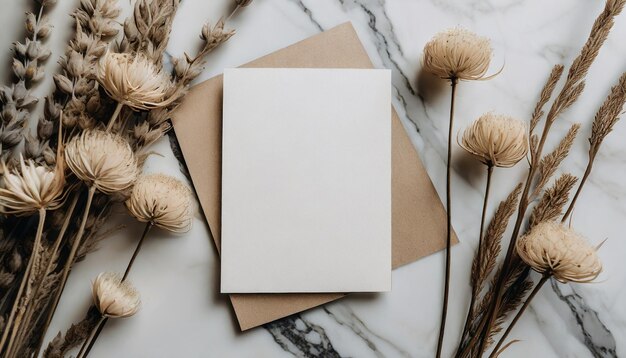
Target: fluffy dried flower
(30, 188)
(163, 201)
(103, 160)
(114, 298)
(496, 140)
(134, 81)
(553, 248)
(457, 54)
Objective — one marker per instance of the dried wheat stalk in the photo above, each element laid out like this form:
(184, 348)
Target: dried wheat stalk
(571, 91)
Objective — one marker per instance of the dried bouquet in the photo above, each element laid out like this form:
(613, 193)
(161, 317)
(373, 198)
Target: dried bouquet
(62, 170)
(542, 240)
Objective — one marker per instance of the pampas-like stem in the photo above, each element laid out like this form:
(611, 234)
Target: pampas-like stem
(496, 351)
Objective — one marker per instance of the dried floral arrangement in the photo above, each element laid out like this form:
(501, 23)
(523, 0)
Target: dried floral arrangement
(541, 240)
(112, 99)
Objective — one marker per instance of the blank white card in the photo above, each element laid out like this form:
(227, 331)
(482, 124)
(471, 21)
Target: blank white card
(306, 181)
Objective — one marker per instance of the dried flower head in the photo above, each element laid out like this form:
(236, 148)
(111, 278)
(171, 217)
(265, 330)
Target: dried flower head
(553, 248)
(31, 187)
(131, 79)
(103, 160)
(114, 298)
(457, 54)
(163, 201)
(496, 140)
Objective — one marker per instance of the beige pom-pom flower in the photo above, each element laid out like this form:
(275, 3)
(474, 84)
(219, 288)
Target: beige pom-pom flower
(552, 248)
(114, 298)
(496, 140)
(31, 187)
(103, 160)
(457, 54)
(133, 80)
(163, 201)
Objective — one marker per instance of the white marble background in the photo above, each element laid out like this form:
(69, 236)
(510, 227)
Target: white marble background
(184, 315)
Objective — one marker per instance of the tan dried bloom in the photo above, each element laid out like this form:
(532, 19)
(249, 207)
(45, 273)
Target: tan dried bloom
(553, 248)
(103, 160)
(31, 187)
(496, 140)
(163, 201)
(114, 298)
(133, 80)
(457, 54)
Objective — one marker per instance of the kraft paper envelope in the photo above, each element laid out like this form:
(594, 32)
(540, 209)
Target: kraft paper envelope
(418, 217)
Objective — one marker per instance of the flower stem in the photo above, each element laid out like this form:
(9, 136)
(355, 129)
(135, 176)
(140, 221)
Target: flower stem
(92, 335)
(470, 312)
(116, 113)
(139, 244)
(31, 261)
(444, 310)
(70, 259)
(583, 180)
(543, 280)
(93, 339)
(57, 243)
(103, 322)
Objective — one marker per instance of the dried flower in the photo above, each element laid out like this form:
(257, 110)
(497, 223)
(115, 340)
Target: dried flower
(496, 140)
(113, 297)
(103, 160)
(552, 248)
(132, 80)
(163, 201)
(31, 188)
(457, 54)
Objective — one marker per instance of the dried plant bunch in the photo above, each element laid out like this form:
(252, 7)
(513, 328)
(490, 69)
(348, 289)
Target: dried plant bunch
(102, 160)
(163, 201)
(552, 248)
(113, 297)
(31, 187)
(458, 54)
(496, 140)
(16, 100)
(135, 81)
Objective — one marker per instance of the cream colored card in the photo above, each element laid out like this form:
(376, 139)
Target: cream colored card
(306, 180)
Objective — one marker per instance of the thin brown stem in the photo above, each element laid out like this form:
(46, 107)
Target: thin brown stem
(34, 256)
(583, 180)
(99, 329)
(70, 259)
(116, 113)
(446, 289)
(92, 334)
(543, 280)
(139, 244)
(470, 312)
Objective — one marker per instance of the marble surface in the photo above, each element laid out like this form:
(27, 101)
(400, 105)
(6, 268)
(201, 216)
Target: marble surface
(184, 315)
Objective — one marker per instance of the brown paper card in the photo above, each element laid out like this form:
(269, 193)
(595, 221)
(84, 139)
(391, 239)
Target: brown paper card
(418, 217)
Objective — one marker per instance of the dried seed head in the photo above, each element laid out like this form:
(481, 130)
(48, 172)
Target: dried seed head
(163, 201)
(555, 249)
(114, 298)
(103, 160)
(134, 81)
(31, 187)
(496, 140)
(457, 54)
